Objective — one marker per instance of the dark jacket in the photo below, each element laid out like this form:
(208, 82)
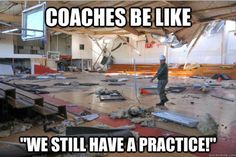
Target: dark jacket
(162, 73)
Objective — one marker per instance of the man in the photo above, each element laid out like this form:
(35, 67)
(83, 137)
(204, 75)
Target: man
(162, 76)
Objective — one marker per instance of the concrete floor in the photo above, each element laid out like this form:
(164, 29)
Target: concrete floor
(224, 112)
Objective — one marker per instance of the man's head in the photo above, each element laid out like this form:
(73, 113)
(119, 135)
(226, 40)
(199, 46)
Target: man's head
(162, 59)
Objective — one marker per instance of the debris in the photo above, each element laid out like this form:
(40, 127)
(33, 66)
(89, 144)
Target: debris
(221, 76)
(199, 77)
(209, 126)
(88, 84)
(5, 133)
(116, 84)
(229, 86)
(176, 89)
(122, 79)
(20, 127)
(13, 127)
(139, 120)
(43, 77)
(62, 84)
(176, 117)
(192, 66)
(119, 114)
(50, 129)
(171, 103)
(135, 111)
(105, 94)
(75, 84)
(115, 80)
(148, 123)
(223, 98)
(90, 117)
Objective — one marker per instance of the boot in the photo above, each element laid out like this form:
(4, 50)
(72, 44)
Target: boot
(165, 99)
(160, 104)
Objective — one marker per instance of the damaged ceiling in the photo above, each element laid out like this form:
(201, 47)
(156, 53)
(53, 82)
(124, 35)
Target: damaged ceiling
(203, 12)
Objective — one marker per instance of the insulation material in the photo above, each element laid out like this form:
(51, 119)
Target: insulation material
(177, 118)
(208, 127)
(6, 69)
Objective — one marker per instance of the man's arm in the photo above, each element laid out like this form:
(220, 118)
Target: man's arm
(154, 77)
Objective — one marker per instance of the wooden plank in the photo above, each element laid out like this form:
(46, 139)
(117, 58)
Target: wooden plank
(44, 110)
(20, 104)
(61, 109)
(6, 91)
(28, 94)
(6, 87)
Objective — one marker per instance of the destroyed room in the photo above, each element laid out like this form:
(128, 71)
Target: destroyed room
(117, 78)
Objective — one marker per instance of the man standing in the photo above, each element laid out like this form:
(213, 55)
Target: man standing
(162, 76)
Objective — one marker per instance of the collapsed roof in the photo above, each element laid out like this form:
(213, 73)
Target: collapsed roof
(203, 12)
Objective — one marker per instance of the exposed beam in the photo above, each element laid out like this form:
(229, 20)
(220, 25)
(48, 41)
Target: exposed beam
(223, 16)
(77, 30)
(87, 4)
(118, 4)
(10, 18)
(60, 30)
(131, 30)
(214, 9)
(131, 4)
(109, 33)
(194, 18)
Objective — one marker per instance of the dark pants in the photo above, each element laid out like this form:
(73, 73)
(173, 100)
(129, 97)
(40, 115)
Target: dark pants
(161, 89)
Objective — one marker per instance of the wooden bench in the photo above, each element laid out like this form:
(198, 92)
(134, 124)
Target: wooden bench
(21, 99)
(29, 97)
(6, 91)
(61, 109)
(36, 101)
(43, 110)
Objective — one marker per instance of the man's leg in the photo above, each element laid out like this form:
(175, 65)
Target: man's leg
(164, 99)
(161, 91)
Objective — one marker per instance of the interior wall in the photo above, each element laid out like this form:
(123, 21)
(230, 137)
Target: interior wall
(142, 55)
(6, 46)
(62, 44)
(207, 50)
(77, 53)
